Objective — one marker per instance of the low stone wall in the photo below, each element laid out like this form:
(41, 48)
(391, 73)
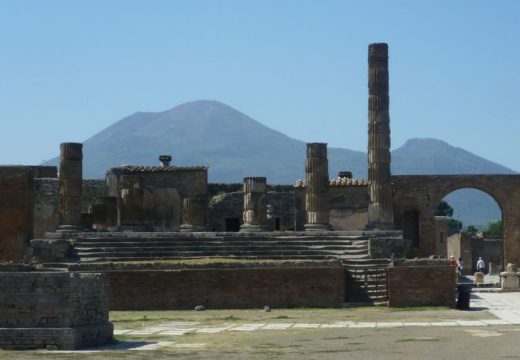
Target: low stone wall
(226, 288)
(421, 284)
(53, 309)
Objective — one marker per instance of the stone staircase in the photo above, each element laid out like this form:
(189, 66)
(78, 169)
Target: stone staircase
(366, 280)
(113, 248)
(365, 276)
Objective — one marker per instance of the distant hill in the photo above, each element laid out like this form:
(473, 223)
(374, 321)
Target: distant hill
(234, 146)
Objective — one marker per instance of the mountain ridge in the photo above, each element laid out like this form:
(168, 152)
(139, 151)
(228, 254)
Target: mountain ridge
(233, 145)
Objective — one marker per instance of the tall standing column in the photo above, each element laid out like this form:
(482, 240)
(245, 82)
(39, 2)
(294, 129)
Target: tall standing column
(130, 203)
(380, 211)
(317, 187)
(70, 186)
(194, 214)
(254, 215)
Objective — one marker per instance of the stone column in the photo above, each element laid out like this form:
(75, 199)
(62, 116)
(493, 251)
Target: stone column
(130, 203)
(380, 211)
(254, 215)
(317, 188)
(70, 186)
(194, 214)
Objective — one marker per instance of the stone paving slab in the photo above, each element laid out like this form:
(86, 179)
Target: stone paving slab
(363, 325)
(389, 324)
(306, 326)
(247, 327)
(276, 326)
(444, 323)
(213, 330)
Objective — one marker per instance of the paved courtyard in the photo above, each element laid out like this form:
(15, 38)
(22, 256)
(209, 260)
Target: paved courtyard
(489, 330)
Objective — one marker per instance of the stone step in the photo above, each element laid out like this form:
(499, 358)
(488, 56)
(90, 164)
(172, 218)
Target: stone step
(244, 257)
(165, 253)
(335, 250)
(230, 244)
(360, 243)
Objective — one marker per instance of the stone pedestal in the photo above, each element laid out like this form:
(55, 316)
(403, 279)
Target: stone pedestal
(130, 215)
(479, 278)
(317, 188)
(510, 279)
(70, 186)
(194, 214)
(254, 214)
(380, 210)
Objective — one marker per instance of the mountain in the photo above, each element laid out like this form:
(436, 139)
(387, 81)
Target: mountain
(432, 156)
(235, 146)
(207, 133)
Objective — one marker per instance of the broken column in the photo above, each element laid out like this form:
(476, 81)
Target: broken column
(380, 211)
(194, 214)
(130, 215)
(254, 215)
(317, 187)
(510, 279)
(70, 186)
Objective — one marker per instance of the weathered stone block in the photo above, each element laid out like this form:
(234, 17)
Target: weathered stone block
(59, 309)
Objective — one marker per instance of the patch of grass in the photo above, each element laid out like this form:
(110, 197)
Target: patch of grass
(337, 338)
(282, 317)
(418, 308)
(227, 318)
(276, 346)
(335, 350)
(406, 339)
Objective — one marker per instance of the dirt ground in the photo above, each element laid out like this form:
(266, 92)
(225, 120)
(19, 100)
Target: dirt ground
(408, 342)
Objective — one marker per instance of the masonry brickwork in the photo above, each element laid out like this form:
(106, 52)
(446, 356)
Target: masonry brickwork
(16, 211)
(421, 285)
(59, 309)
(417, 196)
(217, 288)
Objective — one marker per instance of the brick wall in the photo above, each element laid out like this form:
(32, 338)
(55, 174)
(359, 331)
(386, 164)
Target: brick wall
(227, 288)
(432, 285)
(46, 197)
(348, 207)
(31, 302)
(15, 211)
(231, 205)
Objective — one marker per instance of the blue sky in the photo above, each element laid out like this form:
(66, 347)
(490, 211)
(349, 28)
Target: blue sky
(71, 68)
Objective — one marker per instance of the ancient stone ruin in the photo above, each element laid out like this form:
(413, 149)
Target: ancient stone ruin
(147, 229)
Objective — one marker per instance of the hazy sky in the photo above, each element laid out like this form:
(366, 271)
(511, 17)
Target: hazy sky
(71, 68)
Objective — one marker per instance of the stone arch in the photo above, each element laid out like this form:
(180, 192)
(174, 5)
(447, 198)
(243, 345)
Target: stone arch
(424, 192)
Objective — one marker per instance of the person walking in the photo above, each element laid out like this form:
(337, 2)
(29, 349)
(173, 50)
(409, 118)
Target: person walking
(481, 265)
(460, 266)
(452, 261)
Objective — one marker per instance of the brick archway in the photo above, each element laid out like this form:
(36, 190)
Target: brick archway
(422, 193)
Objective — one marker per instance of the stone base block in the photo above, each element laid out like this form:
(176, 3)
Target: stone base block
(510, 281)
(134, 228)
(56, 338)
(70, 228)
(192, 228)
(253, 228)
(317, 227)
(479, 278)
